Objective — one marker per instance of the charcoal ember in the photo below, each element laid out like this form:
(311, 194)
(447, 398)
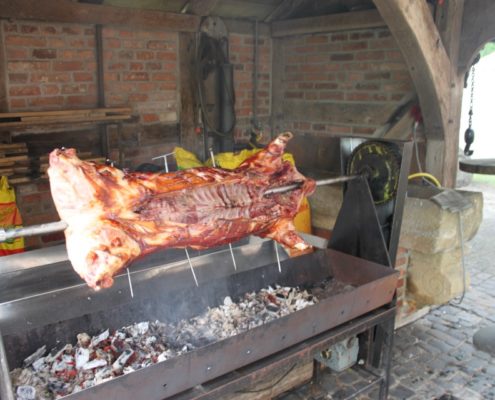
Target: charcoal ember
(96, 363)
(26, 392)
(83, 339)
(39, 364)
(96, 340)
(97, 359)
(35, 356)
(82, 357)
(56, 354)
(120, 363)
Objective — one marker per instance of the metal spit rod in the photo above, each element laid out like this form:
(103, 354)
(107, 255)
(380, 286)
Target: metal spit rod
(51, 227)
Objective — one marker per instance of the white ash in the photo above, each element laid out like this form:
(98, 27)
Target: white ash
(93, 360)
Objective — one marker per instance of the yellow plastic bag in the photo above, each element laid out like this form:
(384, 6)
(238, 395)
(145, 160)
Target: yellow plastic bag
(10, 217)
(186, 159)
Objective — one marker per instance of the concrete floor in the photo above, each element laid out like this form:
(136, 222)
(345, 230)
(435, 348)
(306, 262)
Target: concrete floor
(434, 357)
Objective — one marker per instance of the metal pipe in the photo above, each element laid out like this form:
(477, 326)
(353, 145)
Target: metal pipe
(6, 391)
(321, 182)
(32, 230)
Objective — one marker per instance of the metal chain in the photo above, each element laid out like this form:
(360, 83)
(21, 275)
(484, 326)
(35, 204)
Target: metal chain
(473, 70)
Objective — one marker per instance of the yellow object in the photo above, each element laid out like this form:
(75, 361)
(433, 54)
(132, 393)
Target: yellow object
(186, 159)
(10, 217)
(425, 175)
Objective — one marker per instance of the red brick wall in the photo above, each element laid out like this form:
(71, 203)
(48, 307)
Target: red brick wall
(141, 71)
(241, 51)
(358, 67)
(53, 66)
(49, 66)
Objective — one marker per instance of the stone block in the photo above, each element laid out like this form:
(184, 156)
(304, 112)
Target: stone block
(429, 229)
(435, 278)
(325, 206)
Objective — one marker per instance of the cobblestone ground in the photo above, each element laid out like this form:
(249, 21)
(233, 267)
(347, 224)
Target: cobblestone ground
(434, 357)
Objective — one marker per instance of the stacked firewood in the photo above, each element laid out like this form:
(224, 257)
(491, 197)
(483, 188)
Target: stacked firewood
(15, 163)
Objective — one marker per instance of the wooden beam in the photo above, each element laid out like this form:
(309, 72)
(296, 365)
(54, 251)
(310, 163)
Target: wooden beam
(284, 9)
(200, 7)
(338, 112)
(246, 27)
(188, 118)
(477, 29)
(73, 12)
(278, 73)
(431, 70)
(4, 104)
(328, 23)
(448, 19)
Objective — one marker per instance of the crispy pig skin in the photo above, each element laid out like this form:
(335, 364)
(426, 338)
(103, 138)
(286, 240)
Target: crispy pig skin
(115, 216)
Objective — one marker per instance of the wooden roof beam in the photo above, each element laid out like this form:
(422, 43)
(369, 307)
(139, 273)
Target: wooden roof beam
(72, 12)
(328, 23)
(435, 78)
(202, 8)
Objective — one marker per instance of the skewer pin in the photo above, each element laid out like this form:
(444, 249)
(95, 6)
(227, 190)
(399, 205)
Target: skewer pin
(230, 244)
(130, 282)
(165, 162)
(191, 266)
(278, 257)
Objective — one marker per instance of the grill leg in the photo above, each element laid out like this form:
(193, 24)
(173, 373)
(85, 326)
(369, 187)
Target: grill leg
(387, 329)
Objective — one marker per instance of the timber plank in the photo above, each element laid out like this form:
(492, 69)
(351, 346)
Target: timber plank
(46, 121)
(7, 160)
(88, 111)
(12, 146)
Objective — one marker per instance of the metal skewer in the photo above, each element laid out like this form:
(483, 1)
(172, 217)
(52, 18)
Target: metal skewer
(213, 162)
(165, 162)
(61, 225)
(130, 283)
(191, 266)
(278, 257)
(320, 182)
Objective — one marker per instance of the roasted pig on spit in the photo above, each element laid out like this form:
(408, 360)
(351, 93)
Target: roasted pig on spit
(114, 216)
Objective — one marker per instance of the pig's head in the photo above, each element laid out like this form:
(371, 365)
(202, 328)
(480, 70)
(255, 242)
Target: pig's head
(99, 251)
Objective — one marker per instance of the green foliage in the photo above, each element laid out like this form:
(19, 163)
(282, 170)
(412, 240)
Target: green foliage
(488, 49)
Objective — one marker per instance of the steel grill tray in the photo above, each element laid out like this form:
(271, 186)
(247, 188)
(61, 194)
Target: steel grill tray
(169, 295)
